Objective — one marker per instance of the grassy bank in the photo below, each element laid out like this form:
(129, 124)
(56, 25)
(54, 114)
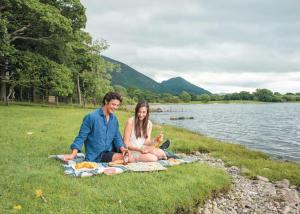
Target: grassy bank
(26, 168)
(252, 162)
(30, 134)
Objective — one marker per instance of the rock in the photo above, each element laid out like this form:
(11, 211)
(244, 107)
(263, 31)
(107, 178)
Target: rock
(282, 184)
(246, 204)
(286, 210)
(232, 211)
(159, 110)
(245, 171)
(181, 155)
(206, 211)
(234, 170)
(197, 153)
(217, 211)
(261, 178)
(269, 190)
(250, 196)
(291, 197)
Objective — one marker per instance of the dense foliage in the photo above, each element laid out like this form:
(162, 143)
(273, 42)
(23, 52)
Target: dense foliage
(44, 51)
(133, 95)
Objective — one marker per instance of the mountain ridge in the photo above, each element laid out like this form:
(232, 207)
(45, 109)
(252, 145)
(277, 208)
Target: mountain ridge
(129, 77)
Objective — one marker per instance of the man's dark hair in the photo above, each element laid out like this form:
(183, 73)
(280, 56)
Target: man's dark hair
(111, 96)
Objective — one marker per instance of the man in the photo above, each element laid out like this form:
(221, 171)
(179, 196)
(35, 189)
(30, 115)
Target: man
(100, 133)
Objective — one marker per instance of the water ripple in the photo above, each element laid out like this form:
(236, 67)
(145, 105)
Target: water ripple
(271, 128)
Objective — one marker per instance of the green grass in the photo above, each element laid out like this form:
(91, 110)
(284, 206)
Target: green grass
(25, 168)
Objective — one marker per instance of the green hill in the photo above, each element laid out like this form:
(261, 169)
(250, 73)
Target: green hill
(129, 77)
(177, 84)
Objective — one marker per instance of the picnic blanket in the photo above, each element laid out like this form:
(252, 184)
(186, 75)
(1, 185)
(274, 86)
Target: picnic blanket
(69, 167)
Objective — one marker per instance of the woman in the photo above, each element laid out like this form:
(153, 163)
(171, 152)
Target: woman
(137, 136)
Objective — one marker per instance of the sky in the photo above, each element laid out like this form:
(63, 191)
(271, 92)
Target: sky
(221, 46)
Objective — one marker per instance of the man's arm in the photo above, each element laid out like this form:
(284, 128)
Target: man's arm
(84, 131)
(117, 140)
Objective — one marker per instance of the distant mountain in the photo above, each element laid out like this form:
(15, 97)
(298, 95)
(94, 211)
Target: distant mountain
(177, 84)
(129, 77)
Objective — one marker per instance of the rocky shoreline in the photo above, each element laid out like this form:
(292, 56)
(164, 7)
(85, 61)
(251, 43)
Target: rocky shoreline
(250, 196)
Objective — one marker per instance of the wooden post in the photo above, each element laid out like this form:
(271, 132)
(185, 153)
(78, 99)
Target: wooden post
(51, 99)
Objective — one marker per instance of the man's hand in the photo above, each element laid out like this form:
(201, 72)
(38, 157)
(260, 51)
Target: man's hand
(125, 153)
(69, 157)
(123, 150)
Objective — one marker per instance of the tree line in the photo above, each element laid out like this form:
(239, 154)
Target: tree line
(45, 51)
(132, 95)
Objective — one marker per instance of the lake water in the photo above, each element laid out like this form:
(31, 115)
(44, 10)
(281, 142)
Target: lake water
(272, 128)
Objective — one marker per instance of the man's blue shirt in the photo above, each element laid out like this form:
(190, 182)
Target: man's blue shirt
(98, 135)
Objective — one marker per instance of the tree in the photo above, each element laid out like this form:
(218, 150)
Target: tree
(194, 97)
(43, 47)
(264, 95)
(215, 97)
(32, 27)
(120, 90)
(235, 96)
(289, 98)
(93, 86)
(227, 97)
(245, 95)
(204, 98)
(5, 51)
(185, 96)
(169, 98)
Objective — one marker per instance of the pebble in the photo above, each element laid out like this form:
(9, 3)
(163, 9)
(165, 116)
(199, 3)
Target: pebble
(250, 196)
(261, 178)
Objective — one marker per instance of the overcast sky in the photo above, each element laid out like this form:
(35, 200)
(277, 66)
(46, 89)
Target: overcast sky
(222, 46)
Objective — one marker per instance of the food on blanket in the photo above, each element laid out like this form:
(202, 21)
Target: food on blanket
(145, 166)
(174, 161)
(117, 163)
(86, 164)
(112, 171)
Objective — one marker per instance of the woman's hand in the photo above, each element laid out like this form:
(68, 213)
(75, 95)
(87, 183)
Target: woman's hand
(158, 139)
(144, 151)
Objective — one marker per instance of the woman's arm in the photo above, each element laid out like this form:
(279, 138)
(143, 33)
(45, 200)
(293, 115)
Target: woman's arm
(127, 132)
(156, 140)
(148, 141)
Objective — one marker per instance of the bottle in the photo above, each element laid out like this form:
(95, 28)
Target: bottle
(126, 156)
(158, 139)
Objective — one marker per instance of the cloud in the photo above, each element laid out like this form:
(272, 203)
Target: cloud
(172, 37)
